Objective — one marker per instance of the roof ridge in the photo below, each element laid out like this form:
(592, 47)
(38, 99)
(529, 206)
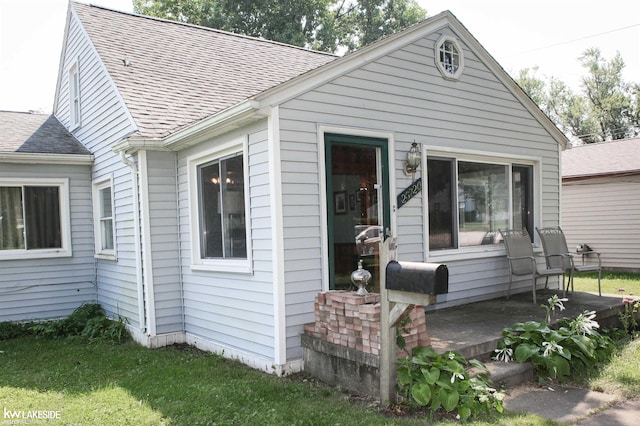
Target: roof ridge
(605, 142)
(24, 112)
(200, 27)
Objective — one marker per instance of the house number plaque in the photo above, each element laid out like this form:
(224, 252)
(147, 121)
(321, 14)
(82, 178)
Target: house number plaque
(410, 192)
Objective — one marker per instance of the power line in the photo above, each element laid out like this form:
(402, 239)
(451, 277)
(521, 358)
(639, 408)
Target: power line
(578, 39)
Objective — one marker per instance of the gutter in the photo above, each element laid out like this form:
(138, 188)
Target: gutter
(39, 158)
(138, 239)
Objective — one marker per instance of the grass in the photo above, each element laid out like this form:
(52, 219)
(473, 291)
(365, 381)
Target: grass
(611, 282)
(119, 384)
(97, 382)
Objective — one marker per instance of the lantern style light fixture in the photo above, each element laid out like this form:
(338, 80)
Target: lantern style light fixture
(413, 159)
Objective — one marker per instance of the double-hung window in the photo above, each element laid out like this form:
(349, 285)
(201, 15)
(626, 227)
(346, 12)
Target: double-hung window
(220, 239)
(34, 219)
(104, 230)
(470, 200)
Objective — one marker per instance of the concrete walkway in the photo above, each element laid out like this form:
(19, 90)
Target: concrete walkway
(569, 405)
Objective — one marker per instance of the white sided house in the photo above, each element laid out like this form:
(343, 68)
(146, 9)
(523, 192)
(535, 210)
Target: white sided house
(601, 199)
(235, 178)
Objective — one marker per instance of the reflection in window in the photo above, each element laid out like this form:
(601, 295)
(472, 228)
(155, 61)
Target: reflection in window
(106, 219)
(30, 218)
(483, 198)
(222, 209)
(449, 57)
(468, 208)
(440, 181)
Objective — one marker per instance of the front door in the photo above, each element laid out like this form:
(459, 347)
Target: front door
(357, 206)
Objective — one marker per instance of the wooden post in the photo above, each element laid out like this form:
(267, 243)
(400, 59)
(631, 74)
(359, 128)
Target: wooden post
(393, 306)
(387, 335)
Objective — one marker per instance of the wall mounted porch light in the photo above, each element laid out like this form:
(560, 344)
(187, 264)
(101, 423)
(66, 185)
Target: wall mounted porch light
(413, 159)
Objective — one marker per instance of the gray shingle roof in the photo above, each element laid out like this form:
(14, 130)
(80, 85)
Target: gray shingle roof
(36, 133)
(601, 159)
(179, 73)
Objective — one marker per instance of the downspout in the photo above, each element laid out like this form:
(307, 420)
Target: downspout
(138, 238)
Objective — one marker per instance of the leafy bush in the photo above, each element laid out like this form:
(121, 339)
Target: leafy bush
(443, 382)
(629, 317)
(574, 347)
(11, 330)
(88, 320)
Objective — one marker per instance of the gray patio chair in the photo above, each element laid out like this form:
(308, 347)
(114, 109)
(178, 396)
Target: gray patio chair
(522, 260)
(558, 255)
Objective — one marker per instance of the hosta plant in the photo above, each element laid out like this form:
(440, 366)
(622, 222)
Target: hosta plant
(574, 346)
(443, 381)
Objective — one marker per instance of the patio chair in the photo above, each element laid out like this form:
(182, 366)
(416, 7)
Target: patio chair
(523, 262)
(558, 255)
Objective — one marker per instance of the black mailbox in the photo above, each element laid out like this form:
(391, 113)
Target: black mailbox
(417, 277)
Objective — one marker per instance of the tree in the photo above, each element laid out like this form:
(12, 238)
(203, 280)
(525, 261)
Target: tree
(606, 108)
(326, 25)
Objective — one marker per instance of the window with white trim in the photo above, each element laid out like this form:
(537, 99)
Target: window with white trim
(74, 96)
(470, 200)
(34, 218)
(449, 57)
(220, 238)
(104, 229)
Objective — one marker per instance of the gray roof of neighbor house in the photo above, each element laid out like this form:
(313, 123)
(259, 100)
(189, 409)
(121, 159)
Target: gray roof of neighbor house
(602, 159)
(37, 134)
(179, 74)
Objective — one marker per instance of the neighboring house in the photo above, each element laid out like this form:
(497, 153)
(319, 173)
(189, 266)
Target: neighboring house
(601, 200)
(46, 230)
(239, 171)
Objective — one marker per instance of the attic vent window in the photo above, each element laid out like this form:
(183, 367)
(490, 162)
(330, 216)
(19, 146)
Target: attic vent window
(449, 58)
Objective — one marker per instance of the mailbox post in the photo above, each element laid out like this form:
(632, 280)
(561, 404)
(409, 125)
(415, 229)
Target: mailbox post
(403, 285)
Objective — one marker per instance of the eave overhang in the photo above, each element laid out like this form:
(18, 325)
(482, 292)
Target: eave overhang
(40, 158)
(231, 118)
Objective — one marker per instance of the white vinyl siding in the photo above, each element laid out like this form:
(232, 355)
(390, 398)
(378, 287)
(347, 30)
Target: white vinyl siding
(232, 309)
(44, 288)
(405, 95)
(603, 213)
(105, 121)
(162, 206)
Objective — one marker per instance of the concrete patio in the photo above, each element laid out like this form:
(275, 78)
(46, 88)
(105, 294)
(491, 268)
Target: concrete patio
(475, 329)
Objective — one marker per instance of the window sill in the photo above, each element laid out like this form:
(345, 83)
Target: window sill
(106, 256)
(33, 254)
(466, 253)
(231, 266)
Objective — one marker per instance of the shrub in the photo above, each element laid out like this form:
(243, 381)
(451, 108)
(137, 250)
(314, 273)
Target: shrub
(11, 330)
(89, 321)
(574, 347)
(443, 382)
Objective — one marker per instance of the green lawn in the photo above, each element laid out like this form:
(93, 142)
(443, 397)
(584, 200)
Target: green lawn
(119, 384)
(89, 383)
(619, 283)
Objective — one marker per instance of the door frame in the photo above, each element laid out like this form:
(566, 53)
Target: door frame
(384, 141)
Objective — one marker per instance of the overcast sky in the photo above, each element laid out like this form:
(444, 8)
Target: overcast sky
(550, 34)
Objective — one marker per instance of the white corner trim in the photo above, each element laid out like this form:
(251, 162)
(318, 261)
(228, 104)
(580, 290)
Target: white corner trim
(145, 226)
(277, 237)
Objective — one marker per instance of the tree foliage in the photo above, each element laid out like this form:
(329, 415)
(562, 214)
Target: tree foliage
(605, 108)
(326, 25)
